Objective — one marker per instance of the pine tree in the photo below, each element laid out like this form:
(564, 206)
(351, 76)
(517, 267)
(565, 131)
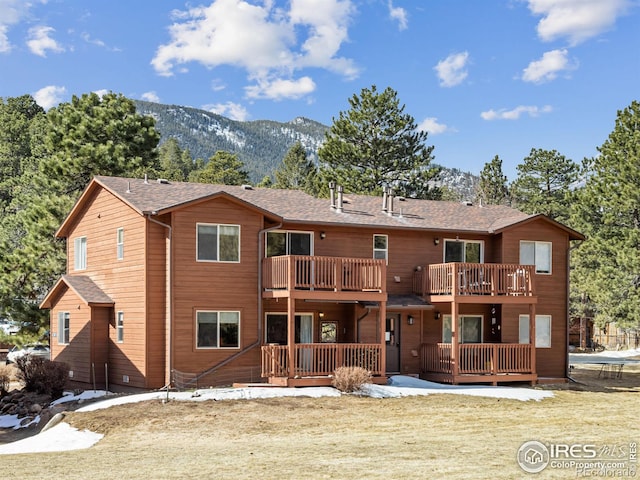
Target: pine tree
(223, 168)
(296, 172)
(375, 144)
(492, 189)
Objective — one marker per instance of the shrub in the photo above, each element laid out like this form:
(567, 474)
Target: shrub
(6, 373)
(350, 379)
(42, 376)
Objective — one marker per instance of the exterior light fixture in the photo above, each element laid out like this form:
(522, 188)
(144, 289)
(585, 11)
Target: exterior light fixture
(410, 320)
(436, 240)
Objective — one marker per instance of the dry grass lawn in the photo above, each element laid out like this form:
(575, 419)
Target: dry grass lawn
(437, 436)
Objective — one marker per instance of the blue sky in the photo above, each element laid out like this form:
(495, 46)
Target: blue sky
(484, 78)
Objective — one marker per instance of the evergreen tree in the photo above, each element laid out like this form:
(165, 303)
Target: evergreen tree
(376, 144)
(545, 184)
(223, 168)
(175, 163)
(607, 264)
(492, 189)
(94, 135)
(296, 172)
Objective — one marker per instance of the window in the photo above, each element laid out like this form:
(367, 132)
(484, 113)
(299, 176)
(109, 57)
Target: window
(217, 329)
(289, 243)
(538, 254)
(277, 325)
(63, 328)
(469, 329)
(120, 243)
(218, 243)
(80, 253)
(380, 247)
(543, 330)
(328, 332)
(469, 251)
(120, 327)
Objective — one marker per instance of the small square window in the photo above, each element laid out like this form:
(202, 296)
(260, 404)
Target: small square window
(538, 254)
(217, 329)
(218, 243)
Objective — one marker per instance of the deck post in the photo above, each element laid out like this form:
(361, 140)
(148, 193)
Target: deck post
(382, 322)
(532, 336)
(455, 351)
(291, 335)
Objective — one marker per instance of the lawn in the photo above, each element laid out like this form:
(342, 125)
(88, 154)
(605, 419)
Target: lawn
(437, 436)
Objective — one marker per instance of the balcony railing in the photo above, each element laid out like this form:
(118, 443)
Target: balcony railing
(474, 279)
(320, 359)
(477, 358)
(290, 272)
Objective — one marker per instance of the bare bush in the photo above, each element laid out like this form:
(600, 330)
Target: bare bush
(6, 374)
(350, 379)
(42, 376)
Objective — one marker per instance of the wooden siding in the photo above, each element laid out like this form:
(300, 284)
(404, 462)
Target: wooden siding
(551, 291)
(123, 280)
(217, 286)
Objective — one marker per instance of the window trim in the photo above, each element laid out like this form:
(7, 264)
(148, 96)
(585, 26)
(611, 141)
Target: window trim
(217, 312)
(287, 242)
(217, 225)
(120, 243)
(120, 326)
(80, 253)
(64, 328)
(535, 256)
(385, 250)
(465, 241)
(538, 343)
(460, 322)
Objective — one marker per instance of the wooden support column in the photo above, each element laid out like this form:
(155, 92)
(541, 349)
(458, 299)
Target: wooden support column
(382, 323)
(532, 335)
(455, 353)
(291, 335)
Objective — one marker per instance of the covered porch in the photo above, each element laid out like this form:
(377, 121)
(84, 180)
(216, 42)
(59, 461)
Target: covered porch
(306, 283)
(478, 363)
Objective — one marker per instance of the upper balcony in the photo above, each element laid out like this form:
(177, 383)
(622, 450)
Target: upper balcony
(475, 282)
(311, 277)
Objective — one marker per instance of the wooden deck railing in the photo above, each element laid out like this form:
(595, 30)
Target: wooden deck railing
(291, 272)
(477, 358)
(474, 279)
(320, 359)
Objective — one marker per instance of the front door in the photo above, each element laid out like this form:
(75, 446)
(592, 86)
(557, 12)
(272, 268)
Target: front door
(392, 341)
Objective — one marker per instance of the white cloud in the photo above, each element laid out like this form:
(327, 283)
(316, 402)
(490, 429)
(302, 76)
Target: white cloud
(452, 70)
(150, 97)
(269, 43)
(11, 11)
(577, 20)
(232, 110)
(40, 41)
(548, 67)
(399, 14)
(49, 96)
(279, 89)
(102, 92)
(431, 125)
(515, 113)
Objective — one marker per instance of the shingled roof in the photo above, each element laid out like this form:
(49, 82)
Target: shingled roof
(294, 206)
(90, 293)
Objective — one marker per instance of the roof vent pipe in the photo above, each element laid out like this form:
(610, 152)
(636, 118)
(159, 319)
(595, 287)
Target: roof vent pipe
(340, 190)
(384, 198)
(146, 179)
(128, 187)
(391, 195)
(332, 193)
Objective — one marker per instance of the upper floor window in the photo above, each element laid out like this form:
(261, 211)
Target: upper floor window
(120, 327)
(536, 253)
(381, 247)
(63, 328)
(289, 243)
(217, 329)
(120, 243)
(80, 253)
(468, 251)
(218, 243)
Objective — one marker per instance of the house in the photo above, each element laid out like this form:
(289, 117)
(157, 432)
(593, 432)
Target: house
(197, 284)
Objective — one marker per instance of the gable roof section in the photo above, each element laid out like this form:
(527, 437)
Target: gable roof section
(295, 206)
(573, 234)
(83, 287)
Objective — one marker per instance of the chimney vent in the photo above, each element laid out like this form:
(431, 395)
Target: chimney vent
(340, 191)
(146, 179)
(384, 198)
(247, 187)
(391, 196)
(332, 193)
(163, 181)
